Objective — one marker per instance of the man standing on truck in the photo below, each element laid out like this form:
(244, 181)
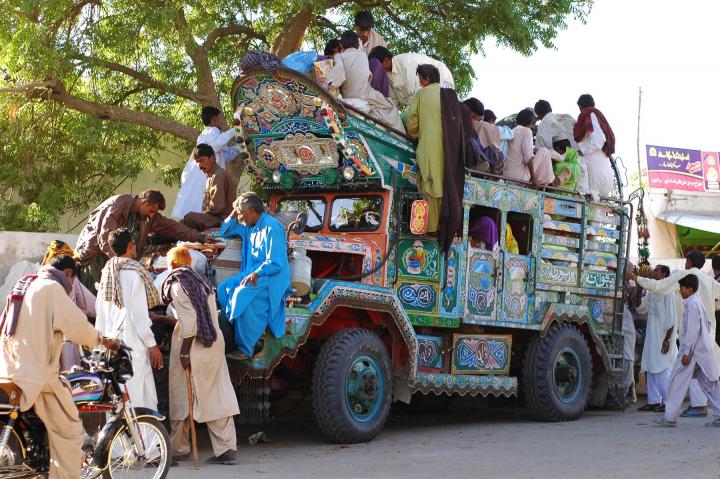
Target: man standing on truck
(365, 29)
(192, 183)
(254, 299)
(424, 123)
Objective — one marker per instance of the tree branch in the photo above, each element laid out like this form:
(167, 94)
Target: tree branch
(139, 76)
(56, 91)
(206, 91)
(27, 87)
(72, 13)
(228, 31)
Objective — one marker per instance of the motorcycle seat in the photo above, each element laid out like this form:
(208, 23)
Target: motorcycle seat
(9, 392)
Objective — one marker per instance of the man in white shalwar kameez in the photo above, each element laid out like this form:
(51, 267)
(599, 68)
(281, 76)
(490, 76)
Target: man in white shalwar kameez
(37, 317)
(708, 292)
(351, 75)
(126, 294)
(192, 182)
(198, 346)
(696, 358)
(660, 348)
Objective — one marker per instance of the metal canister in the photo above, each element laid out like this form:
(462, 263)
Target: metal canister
(228, 263)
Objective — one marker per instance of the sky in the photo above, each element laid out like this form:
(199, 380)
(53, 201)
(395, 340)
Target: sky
(668, 48)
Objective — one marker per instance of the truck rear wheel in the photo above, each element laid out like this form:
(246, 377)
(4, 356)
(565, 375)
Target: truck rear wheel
(557, 374)
(352, 386)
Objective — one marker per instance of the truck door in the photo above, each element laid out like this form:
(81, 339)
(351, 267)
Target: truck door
(516, 285)
(483, 267)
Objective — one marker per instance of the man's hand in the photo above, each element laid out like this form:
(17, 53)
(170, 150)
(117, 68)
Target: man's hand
(251, 278)
(630, 275)
(665, 346)
(185, 361)
(685, 360)
(156, 357)
(110, 343)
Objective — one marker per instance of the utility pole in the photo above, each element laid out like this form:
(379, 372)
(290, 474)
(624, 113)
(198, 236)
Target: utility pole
(637, 139)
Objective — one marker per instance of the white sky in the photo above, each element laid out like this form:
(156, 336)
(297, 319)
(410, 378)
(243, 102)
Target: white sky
(668, 48)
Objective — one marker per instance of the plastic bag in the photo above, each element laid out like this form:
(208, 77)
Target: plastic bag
(301, 62)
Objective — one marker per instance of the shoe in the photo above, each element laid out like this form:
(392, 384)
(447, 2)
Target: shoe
(649, 407)
(182, 457)
(661, 421)
(695, 411)
(227, 458)
(237, 355)
(714, 423)
(660, 408)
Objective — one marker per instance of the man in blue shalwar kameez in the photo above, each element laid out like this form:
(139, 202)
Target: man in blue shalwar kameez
(254, 299)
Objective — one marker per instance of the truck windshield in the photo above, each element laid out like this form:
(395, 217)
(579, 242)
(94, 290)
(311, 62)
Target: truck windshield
(356, 213)
(314, 208)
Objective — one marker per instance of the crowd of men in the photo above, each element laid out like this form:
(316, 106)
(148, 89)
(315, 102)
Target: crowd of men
(680, 350)
(403, 91)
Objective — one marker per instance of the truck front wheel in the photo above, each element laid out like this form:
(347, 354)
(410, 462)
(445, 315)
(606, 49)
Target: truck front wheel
(352, 386)
(557, 374)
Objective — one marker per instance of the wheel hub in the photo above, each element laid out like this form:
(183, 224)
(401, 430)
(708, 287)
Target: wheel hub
(567, 375)
(363, 388)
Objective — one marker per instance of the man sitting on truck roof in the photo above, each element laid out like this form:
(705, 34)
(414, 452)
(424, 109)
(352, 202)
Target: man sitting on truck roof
(351, 75)
(523, 163)
(365, 29)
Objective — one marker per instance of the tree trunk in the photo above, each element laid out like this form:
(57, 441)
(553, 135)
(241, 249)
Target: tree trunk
(293, 33)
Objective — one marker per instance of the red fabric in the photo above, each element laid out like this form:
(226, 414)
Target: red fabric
(584, 126)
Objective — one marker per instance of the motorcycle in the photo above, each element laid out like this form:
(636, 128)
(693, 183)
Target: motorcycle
(132, 443)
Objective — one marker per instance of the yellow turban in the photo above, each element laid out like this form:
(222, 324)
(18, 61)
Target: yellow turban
(56, 248)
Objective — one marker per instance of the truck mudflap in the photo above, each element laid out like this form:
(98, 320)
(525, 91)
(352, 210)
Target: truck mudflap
(301, 320)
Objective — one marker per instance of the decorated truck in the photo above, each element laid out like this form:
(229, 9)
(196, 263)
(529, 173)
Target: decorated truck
(389, 316)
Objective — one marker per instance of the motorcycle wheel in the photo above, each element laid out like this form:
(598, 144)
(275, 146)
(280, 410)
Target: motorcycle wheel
(122, 462)
(12, 453)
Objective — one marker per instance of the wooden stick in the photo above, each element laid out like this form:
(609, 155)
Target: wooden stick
(193, 436)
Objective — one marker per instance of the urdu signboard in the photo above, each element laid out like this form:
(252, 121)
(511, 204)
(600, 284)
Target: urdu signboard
(681, 169)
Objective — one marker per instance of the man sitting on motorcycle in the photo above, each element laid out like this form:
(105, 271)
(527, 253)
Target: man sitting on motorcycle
(38, 315)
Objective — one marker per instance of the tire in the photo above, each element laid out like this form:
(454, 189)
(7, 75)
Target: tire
(12, 453)
(344, 413)
(155, 437)
(557, 374)
(429, 403)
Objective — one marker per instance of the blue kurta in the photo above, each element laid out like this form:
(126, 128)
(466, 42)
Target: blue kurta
(252, 309)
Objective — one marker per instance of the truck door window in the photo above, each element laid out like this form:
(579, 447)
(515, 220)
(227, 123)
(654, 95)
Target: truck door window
(314, 208)
(356, 213)
(521, 225)
(480, 214)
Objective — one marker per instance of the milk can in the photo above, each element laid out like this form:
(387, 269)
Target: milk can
(227, 264)
(301, 269)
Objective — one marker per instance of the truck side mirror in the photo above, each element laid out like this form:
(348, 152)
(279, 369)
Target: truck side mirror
(298, 226)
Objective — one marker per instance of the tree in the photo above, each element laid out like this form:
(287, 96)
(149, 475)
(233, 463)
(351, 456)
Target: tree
(152, 64)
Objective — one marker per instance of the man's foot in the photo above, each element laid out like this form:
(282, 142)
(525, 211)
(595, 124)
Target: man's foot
(182, 457)
(660, 408)
(695, 411)
(227, 458)
(481, 167)
(648, 407)
(237, 355)
(713, 423)
(661, 421)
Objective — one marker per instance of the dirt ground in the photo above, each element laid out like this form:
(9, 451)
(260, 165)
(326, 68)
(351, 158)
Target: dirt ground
(469, 441)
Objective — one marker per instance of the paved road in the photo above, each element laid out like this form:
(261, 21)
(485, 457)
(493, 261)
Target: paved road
(472, 442)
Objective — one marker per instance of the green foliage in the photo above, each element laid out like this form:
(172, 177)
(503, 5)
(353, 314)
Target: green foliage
(119, 77)
(57, 160)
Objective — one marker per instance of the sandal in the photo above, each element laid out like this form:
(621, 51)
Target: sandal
(650, 407)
